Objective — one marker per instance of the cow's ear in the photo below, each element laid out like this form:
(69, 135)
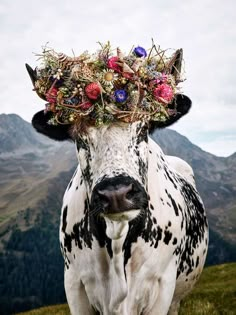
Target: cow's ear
(58, 132)
(181, 104)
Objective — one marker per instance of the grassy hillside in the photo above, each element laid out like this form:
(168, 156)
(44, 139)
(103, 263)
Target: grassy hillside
(215, 294)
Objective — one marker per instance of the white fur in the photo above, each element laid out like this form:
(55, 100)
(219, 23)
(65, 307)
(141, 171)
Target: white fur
(149, 286)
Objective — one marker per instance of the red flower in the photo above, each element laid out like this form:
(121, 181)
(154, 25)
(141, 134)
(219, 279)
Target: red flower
(112, 64)
(51, 95)
(127, 75)
(86, 105)
(93, 90)
(163, 93)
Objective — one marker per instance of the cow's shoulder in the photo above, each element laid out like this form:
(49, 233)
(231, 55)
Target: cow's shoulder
(182, 167)
(177, 165)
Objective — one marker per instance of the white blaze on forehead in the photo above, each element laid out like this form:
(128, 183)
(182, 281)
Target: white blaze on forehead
(113, 151)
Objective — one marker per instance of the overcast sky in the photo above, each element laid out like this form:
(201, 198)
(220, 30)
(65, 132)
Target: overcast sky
(204, 29)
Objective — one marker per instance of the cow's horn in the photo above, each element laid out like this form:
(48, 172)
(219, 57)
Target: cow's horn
(177, 63)
(32, 73)
(34, 78)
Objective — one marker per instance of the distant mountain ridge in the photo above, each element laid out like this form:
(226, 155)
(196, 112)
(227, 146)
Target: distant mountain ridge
(34, 173)
(16, 134)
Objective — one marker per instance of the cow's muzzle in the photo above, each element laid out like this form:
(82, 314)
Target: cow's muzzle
(116, 195)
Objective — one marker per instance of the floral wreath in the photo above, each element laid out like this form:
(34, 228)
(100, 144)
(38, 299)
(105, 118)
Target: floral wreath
(108, 86)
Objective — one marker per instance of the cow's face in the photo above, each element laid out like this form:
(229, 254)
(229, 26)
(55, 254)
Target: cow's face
(113, 159)
(114, 163)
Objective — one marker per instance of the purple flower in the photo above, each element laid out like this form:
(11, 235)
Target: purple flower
(140, 51)
(120, 96)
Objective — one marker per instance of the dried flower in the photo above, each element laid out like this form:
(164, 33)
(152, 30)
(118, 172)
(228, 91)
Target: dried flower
(86, 105)
(120, 96)
(140, 51)
(58, 74)
(51, 95)
(163, 93)
(112, 64)
(93, 86)
(93, 90)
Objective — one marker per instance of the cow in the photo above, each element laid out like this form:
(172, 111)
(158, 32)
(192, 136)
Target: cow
(133, 230)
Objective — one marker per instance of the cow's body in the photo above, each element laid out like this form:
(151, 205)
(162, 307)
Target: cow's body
(133, 228)
(145, 266)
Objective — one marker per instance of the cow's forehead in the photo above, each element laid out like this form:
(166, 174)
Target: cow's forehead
(135, 131)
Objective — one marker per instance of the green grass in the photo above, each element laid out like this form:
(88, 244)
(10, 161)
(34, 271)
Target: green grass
(214, 294)
(4, 217)
(50, 310)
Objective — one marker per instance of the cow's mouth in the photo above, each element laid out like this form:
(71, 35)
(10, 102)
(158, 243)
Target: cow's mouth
(117, 224)
(122, 216)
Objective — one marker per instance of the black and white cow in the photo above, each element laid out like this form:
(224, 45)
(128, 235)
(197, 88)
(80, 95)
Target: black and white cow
(133, 228)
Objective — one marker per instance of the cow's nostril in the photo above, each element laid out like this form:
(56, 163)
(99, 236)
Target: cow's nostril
(115, 198)
(102, 197)
(112, 192)
(132, 192)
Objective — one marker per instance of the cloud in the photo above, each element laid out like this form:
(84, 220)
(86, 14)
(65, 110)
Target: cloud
(205, 30)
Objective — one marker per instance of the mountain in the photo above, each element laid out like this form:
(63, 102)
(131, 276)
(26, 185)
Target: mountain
(34, 174)
(16, 135)
(27, 164)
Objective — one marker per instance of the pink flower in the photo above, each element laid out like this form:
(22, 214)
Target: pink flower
(161, 79)
(164, 78)
(112, 64)
(51, 95)
(93, 90)
(163, 93)
(86, 105)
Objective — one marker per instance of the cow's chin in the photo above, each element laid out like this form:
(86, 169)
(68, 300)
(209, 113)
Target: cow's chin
(118, 223)
(122, 216)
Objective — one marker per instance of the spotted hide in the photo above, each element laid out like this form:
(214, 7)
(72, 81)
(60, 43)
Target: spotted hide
(133, 228)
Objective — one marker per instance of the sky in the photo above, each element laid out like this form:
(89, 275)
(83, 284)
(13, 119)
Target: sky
(204, 29)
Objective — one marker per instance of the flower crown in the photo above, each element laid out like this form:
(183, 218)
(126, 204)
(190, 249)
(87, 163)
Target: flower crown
(105, 87)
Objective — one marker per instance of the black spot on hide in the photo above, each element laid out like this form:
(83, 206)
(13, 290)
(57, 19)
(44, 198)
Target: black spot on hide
(173, 203)
(196, 225)
(142, 134)
(174, 241)
(64, 222)
(85, 231)
(170, 176)
(167, 237)
(70, 184)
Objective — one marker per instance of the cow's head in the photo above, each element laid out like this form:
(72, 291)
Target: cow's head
(113, 158)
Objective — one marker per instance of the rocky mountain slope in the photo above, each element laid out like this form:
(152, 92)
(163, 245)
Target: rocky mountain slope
(27, 163)
(34, 172)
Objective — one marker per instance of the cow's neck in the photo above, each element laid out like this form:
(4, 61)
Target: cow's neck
(117, 277)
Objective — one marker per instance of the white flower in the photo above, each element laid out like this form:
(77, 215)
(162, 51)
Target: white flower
(58, 75)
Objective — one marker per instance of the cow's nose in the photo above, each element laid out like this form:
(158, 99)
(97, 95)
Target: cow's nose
(118, 194)
(114, 200)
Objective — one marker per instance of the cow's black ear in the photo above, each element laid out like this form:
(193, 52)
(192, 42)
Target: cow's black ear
(181, 104)
(58, 132)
